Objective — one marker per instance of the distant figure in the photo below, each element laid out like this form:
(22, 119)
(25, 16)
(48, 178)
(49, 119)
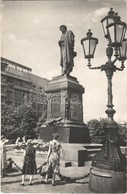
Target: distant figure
(66, 44)
(53, 158)
(3, 156)
(24, 139)
(29, 165)
(18, 140)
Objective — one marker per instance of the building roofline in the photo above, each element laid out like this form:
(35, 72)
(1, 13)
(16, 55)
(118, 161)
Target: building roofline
(12, 62)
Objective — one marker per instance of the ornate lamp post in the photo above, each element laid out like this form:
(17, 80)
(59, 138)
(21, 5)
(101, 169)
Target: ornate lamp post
(107, 174)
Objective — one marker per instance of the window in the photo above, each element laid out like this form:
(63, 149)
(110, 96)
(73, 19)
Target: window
(3, 78)
(9, 96)
(10, 80)
(3, 99)
(18, 94)
(34, 87)
(26, 96)
(2, 89)
(26, 84)
(18, 82)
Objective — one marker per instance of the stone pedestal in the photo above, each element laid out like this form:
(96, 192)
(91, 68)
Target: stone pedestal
(65, 100)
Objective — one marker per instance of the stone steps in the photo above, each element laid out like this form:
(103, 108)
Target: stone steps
(92, 145)
(90, 151)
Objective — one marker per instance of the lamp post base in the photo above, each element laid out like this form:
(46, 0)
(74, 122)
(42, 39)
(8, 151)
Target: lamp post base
(108, 168)
(105, 181)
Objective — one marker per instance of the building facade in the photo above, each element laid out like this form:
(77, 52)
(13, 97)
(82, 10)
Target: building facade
(19, 86)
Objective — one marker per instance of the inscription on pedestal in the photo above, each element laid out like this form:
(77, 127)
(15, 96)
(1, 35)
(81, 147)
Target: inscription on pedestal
(55, 104)
(76, 107)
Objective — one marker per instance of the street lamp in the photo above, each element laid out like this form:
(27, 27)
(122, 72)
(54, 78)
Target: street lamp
(89, 45)
(123, 52)
(107, 173)
(106, 21)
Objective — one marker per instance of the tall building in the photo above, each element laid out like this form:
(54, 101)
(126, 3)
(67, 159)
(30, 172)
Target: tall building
(19, 86)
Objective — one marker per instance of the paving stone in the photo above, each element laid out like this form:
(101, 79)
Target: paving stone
(10, 183)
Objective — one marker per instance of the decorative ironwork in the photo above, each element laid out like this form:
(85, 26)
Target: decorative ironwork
(110, 159)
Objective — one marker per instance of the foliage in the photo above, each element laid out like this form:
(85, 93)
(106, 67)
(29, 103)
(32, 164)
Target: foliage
(122, 135)
(96, 131)
(18, 121)
(37, 143)
(28, 121)
(7, 119)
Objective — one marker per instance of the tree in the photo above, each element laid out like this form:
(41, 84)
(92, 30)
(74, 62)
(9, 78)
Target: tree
(96, 131)
(29, 120)
(7, 119)
(122, 135)
(18, 121)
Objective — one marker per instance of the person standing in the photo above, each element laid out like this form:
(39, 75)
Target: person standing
(3, 156)
(66, 44)
(18, 140)
(29, 165)
(53, 158)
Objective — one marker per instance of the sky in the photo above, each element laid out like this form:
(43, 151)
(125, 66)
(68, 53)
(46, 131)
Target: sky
(30, 34)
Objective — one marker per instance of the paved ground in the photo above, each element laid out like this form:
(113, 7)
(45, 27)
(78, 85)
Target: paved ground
(10, 184)
(77, 184)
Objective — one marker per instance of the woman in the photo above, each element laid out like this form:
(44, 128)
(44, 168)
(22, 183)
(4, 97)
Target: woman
(29, 165)
(53, 158)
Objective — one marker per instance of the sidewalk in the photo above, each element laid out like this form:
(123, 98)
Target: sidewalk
(10, 184)
(76, 176)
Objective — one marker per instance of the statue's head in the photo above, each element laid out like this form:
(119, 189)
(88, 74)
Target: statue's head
(63, 28)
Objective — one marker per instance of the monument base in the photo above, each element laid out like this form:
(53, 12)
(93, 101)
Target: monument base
(69, 133)
(64, 100)
(76, 154)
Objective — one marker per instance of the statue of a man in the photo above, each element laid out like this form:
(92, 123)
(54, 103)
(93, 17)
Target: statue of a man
(66, 44)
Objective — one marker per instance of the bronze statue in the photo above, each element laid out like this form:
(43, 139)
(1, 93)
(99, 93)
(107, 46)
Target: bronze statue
(66, 44)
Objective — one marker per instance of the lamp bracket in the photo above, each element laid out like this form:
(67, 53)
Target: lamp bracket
(99, 67)
(121, 68)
